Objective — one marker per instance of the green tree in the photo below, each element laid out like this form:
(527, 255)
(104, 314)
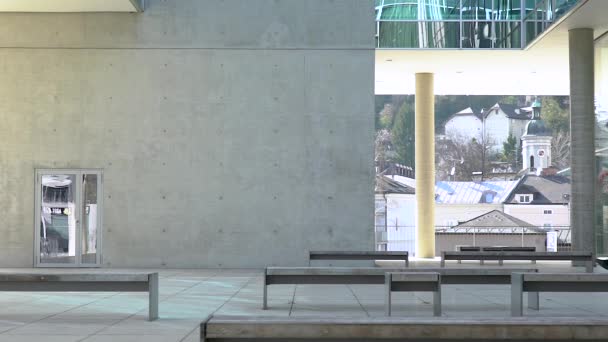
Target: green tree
(403, 137)
(509, 150)
(556, 117)
(446, 105)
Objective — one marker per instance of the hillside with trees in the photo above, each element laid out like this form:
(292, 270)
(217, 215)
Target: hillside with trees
(458, 157)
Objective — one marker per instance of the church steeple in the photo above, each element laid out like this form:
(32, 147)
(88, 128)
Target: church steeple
(536, 142)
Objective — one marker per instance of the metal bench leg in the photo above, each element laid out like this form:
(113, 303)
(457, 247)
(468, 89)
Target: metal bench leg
(534, 261)
(481, 262)
(407, 263)
(517, 281)
(589, 266)
(442, 259)
(437, 302)
(387, 294)
(500, 262)
(265, 292)
(153, 297)
(534, 300)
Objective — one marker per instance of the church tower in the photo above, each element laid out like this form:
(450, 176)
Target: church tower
(536, 142)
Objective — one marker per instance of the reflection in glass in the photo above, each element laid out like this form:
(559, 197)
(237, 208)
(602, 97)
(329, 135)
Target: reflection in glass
(601, 142)
(58, 219)
(419, 35)
(477, 9)
(506, 10)
(508, 35)
(417, 9)
(89, 219)
(477, 35)
(485, 23)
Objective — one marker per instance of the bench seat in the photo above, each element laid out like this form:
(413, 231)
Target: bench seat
(552, 282)
(586, 257)
(79, 281)
(513, 329)
(376, 275)
(359, 255)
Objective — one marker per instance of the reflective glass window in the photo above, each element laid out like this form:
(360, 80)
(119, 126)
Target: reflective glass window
(508, 35)
(601, 143)
(401, 10)
(477, 9)
(506, 10)
(436, 34)
(477, 34)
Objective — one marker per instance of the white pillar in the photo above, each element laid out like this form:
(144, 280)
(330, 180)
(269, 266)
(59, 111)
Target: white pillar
(425, 165)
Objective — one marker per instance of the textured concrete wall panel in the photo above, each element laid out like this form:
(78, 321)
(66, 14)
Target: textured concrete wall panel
(231, 133)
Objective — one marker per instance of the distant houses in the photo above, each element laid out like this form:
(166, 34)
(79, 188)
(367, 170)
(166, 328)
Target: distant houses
(493, 125)
(541, 200)
(530, 202)
(534, 204)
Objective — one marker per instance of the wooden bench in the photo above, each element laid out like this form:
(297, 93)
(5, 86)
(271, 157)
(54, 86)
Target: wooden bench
(376, 275)
(358, 255)
(84, 282)
(413, 281)
(586, 257)
(552, 282)
(496, 249)
(402, 329)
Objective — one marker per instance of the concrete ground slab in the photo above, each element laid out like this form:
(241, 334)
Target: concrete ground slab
(187, 297)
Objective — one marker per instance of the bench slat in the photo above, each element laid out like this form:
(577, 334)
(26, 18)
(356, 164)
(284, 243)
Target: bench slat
(72, 277)
(71, 286)
(414, 276)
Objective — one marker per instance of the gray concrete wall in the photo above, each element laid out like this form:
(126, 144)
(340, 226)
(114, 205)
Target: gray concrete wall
(231, 133)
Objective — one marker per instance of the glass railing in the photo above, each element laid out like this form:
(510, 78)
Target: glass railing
(464, 24)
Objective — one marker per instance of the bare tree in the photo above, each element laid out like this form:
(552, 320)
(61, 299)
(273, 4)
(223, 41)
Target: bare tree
(456, 158)
(384, 152)
(560, 150)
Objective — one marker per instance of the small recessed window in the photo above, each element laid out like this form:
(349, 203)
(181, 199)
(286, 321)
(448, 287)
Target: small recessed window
(525, 198)
(548, 212)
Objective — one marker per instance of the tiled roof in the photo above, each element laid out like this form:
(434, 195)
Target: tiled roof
(512, 112)
(386, 185)
(545, 189)
(473, 192)
(495, 219)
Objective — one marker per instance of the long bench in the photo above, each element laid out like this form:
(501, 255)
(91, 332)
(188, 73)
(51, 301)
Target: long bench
(512, 329)
(586, 257)
(358, 255)
(552, 282)
(84, 282)
(376, 275)
(496, 249)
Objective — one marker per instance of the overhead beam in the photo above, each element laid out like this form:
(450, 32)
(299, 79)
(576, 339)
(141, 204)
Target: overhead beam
(138, 4)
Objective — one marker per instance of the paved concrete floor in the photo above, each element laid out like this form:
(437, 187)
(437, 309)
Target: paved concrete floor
(188, 296)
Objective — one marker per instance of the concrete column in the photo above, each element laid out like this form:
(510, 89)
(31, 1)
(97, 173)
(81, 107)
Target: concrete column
(582, 148)
(425, 165)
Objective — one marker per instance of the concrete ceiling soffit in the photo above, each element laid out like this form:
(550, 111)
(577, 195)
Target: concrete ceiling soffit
(65, 6)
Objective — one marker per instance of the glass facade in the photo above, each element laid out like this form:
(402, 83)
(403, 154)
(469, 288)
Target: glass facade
(464, 24)
(601, 143)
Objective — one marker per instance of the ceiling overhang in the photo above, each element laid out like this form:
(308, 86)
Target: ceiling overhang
(71, 5)
(541, 69)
